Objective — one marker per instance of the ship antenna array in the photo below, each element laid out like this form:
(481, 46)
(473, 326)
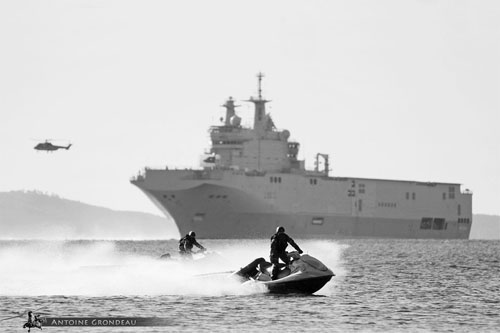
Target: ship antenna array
(260, 76)
(326, 160)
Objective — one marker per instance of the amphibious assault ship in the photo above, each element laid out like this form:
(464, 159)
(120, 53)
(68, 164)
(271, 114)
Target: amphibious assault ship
(253, 181)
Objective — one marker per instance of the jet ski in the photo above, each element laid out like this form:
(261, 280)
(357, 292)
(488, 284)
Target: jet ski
(304, 275)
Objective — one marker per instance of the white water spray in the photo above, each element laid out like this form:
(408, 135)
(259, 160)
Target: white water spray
(99, 269)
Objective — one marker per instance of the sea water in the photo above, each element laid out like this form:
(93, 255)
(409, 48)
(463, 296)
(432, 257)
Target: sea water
(380, 286)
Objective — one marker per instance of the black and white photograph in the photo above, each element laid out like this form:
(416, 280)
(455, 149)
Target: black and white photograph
(249, 166)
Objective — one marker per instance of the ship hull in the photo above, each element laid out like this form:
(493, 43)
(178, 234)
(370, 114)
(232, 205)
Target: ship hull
(215, 211)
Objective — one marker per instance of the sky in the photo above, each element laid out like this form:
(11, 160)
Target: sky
(405, 90)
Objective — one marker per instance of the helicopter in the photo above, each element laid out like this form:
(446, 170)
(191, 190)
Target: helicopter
(48, 146)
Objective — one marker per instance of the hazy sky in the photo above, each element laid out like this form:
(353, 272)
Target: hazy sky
(390, 89)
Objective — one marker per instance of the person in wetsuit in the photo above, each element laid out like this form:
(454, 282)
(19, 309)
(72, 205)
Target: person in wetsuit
(186, 244)
(279, 242)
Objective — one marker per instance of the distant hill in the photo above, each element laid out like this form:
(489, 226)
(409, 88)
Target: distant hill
(36, 215)
(485, 227)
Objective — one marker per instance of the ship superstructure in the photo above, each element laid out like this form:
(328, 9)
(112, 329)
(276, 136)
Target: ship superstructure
(253, 181)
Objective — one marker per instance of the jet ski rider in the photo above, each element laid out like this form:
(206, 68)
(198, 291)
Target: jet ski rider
(186, 244)
(279, 242)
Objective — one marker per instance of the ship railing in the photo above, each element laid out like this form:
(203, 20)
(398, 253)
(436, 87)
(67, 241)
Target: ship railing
(168, 167)
(255, 173)
(224, 129)
(139, 177)
(207, 174)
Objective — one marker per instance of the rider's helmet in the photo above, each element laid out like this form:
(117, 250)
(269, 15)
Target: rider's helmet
(192, 234)
(280, 229)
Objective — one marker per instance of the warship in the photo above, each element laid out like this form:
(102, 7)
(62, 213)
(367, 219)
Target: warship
(252, 181)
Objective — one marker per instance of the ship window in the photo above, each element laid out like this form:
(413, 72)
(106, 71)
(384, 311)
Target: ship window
(224, 196)
(426, 223)
(198, 217)
(317, 220)
(211, 196)
(413, 196)
(360, 205)
(444, 196)
(459, 210)
(407, 195)
(387, 204)
(451, 192)
(275, 179)
(438, 224)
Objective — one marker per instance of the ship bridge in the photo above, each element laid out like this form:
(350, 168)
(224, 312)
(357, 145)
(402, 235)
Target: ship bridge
(261, 148)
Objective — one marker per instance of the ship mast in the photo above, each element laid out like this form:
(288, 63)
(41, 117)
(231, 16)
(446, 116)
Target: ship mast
(260, 119)
(230, 110)
(260, 76)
